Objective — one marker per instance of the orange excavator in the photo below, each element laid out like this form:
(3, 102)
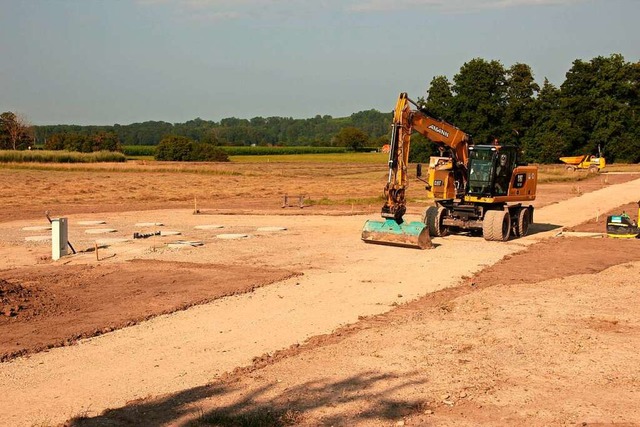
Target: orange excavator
(474, 186)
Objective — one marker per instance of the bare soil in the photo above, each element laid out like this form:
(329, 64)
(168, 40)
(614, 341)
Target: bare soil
(514, 344)
(48, 306)
(546, 336)
(599, 224)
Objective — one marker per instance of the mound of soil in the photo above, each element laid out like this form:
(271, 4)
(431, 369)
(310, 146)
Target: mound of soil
(14, 298)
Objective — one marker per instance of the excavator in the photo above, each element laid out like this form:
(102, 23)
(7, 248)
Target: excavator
(477, 188)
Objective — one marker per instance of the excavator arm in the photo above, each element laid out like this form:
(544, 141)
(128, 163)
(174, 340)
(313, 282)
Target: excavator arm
(405, 122)
(394, 191)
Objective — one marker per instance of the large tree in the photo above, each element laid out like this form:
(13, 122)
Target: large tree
(351, 137)
(600, 98)
(521, 91)
(15, 132)
(105, 141)
(439, 98)
(545, 141)
(480, 99)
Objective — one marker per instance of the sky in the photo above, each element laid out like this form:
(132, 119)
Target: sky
(101, 62)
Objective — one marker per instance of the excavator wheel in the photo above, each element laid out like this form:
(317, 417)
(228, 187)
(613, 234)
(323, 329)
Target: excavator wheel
(433, 218)
(521, 227)
(496, 226)
(593, 169)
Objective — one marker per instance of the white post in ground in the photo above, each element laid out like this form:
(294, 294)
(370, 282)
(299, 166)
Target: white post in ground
(59, 238)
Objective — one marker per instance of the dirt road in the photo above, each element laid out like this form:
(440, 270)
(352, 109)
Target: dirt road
(343, 279)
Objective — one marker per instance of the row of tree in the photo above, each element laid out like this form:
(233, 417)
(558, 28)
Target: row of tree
(596, 106)
(84, 142)
(317, 131)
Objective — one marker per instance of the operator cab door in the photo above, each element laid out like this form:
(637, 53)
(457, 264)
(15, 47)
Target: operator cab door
(504, 162)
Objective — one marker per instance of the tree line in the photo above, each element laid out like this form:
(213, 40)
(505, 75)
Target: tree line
(84, 142)
(597, 105)
(259, 131)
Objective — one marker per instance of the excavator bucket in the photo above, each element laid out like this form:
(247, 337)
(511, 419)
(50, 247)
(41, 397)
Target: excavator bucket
(389, 232)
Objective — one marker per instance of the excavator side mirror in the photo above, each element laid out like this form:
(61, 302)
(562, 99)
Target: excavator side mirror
(418, 170)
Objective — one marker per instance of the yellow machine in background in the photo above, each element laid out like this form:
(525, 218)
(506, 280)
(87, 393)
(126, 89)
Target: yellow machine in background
(473, 185)
(591, 163)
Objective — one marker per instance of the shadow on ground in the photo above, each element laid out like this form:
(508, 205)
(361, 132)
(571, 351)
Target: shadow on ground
(366, 396)
(542, 228)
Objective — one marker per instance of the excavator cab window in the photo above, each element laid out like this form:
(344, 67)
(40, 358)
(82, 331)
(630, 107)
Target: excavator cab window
(490, 170)
(480, 166)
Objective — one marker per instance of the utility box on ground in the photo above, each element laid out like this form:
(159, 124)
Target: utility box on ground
(59, 238)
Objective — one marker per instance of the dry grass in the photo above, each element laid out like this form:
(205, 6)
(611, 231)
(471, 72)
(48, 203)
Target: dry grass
(355, 158)
(558, 173)
(29, 189)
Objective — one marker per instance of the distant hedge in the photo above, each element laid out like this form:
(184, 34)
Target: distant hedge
(182, 149)
(150, 150)
(139, 150)
(57, 156)
(267, 151)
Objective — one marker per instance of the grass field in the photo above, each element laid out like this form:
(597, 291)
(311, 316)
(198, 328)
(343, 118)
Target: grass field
(329, 181)
(334, 164)
(139, 160)
(148, 151)
(44, 156)
(351, 157)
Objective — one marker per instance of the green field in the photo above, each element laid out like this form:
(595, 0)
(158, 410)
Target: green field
(350, 157)
(140, 151)
(43, 156)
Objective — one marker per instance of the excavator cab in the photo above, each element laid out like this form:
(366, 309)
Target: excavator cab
(490, 169)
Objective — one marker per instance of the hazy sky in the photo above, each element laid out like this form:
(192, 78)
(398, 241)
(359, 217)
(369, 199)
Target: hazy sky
(125, 61)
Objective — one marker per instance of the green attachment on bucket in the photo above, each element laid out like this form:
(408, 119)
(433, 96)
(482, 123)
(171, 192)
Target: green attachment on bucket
(389, 232)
